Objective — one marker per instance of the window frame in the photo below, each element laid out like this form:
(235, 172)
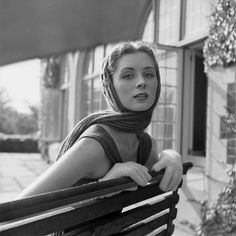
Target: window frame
(91, 77)
(178, 106)
(188, 108)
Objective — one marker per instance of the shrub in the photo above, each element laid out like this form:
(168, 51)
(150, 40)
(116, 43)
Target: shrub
(18, 143)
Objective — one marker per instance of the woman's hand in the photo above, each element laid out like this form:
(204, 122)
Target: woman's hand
(170, 160)
(130, 169)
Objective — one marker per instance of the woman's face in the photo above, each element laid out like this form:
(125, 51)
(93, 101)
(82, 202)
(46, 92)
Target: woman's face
(135, 81)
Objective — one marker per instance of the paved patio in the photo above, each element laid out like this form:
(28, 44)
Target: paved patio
(17, 170)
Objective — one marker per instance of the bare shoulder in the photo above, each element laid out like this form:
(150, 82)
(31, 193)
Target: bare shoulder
(93, 156)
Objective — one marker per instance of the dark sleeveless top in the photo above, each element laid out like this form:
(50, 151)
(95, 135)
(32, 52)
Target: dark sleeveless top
(104, 138)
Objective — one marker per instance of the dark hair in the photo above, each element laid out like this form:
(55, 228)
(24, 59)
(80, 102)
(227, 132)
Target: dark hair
(109, 67)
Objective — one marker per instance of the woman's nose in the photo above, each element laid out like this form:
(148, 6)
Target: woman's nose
(141, 82)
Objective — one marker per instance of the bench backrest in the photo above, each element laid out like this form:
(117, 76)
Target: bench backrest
(89, 210)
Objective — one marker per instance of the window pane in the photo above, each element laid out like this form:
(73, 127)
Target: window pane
(170, 112)
(160, 145)
(86, 97)
(65, 94)
(170, 95)
(168, 144)
(92, 97)
(108, 48)
(196, 15)
(170, 78)
(165, 144)
(98, 58)
(158, 130)
(51, 110)
(148, 33)
(88, 66)
(97, 94)
(168, 21)
(163, 125)
(164, 113)
(65, 74)
(163, 130)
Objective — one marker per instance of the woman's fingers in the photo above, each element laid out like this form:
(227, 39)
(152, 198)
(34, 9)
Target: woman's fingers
(170, 180)
(139, 174)
(172, 163)
(136, 172)
(174, 182)
(165, 181)
(133, 170)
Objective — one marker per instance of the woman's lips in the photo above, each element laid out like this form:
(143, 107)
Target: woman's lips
(141, 96)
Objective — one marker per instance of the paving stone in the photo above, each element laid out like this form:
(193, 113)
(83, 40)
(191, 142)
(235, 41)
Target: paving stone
(9, 185)
(17, 171)
(6, 197)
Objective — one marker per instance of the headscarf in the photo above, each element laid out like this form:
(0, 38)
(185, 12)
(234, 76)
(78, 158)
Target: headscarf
(119, 117)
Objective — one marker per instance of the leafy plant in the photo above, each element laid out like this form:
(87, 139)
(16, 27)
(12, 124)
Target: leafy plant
(220, 46)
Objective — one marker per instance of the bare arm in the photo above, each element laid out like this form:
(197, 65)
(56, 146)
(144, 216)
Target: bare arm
(86, 158)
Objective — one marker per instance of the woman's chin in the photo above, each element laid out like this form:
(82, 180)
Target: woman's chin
(140, 107)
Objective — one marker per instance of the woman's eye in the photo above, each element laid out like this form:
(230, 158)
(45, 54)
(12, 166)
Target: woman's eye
(127, 76)
(149, 75)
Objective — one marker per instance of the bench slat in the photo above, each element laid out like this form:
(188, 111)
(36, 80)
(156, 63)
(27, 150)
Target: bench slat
(146, 228)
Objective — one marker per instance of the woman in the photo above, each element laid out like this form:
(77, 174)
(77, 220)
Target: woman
(112, 144)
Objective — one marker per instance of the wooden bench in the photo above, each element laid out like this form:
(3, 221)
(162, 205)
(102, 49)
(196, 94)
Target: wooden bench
(86, 211)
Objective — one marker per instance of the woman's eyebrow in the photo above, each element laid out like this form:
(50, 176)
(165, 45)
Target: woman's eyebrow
(127, 68)
(149, 68)
(124, 69)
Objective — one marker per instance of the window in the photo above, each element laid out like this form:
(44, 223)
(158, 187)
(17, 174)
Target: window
(86, 97)
(92, 97)
(51, 115)
(195, 16)
(194, 105)
(64, 88)
(164, 120)
(98, 58)
(181, 114)
(169, 17)
(88, 64)
(182, 19)
(64, 125)
(97, 96)
(148, 33)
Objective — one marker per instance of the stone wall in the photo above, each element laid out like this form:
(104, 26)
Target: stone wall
(221, 148)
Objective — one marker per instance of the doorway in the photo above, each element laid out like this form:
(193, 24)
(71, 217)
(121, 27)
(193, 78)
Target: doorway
(194, 105)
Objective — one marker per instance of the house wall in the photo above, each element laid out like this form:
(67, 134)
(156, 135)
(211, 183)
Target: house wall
(221, 80)
(65, 98)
